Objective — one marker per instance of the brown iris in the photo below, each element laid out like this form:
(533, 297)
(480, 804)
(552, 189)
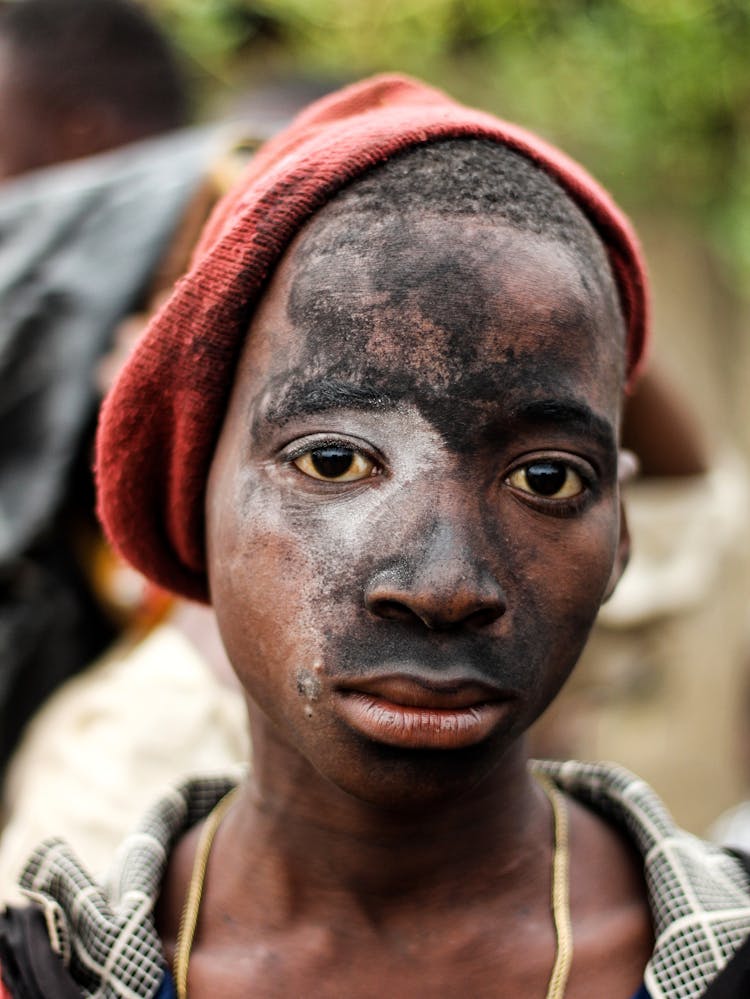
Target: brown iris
(335, 463)
(551, 479)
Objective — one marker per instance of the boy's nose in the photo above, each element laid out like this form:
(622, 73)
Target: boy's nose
(446, 585)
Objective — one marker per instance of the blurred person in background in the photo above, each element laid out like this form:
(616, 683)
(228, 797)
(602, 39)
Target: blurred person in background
(92, 85)
(78, 77)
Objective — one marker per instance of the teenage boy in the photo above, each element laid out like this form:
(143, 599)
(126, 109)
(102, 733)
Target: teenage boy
(377, 426)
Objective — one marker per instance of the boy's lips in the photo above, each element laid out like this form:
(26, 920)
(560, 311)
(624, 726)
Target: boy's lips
(418, 713)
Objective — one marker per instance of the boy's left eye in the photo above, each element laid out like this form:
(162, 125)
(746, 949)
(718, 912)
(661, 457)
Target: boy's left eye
(335, 463)
(547, 478)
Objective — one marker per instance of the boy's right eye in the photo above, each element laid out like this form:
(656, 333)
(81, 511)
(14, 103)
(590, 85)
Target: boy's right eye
(335, 463)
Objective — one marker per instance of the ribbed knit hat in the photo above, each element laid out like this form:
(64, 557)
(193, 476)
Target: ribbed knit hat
(160, 423)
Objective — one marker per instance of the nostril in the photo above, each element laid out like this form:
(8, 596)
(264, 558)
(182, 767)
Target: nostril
(453, 617)
(441, 594)
(438, 615)
(484, 616)
(393, 610)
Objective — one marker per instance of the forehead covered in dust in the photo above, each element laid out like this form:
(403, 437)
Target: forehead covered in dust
(426, 306)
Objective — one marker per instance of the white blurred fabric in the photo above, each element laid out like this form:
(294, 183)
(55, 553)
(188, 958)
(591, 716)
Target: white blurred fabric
(109, 741)
(732, 828)
(682, 529)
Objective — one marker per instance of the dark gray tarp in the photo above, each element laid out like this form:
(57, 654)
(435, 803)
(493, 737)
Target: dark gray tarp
(78, 245)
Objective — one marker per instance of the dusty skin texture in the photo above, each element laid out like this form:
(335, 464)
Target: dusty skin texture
(398, 628)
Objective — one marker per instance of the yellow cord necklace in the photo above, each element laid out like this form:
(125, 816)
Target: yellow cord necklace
(560, 892)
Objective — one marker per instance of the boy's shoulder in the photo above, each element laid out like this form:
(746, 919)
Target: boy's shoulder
(91, 935)
(698, 892)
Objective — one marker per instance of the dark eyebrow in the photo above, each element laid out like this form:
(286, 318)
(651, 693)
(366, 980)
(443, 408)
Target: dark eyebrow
(300, 399)
(571, 414)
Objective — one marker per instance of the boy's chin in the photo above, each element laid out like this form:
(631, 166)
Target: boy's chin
(410, 781)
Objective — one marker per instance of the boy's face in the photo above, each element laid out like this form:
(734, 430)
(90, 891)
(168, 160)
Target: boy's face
(413, 510)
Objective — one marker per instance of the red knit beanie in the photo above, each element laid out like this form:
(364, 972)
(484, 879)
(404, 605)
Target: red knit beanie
(160, 423)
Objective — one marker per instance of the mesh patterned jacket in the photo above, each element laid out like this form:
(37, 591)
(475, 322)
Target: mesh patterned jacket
(79, 939)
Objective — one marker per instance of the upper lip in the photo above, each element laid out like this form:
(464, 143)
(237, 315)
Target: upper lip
(425, 692)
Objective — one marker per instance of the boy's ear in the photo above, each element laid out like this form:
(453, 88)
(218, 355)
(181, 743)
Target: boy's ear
(622, 555)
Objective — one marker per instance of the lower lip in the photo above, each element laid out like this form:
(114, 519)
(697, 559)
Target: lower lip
(411, 727)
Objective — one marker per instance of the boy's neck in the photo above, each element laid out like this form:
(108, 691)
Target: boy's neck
(316, 841)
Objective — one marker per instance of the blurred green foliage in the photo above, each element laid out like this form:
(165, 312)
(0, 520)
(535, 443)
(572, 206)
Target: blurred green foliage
(653, 95)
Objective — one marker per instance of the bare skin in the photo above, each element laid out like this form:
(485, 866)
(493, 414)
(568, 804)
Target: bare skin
(398, 625)
(662, 430)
